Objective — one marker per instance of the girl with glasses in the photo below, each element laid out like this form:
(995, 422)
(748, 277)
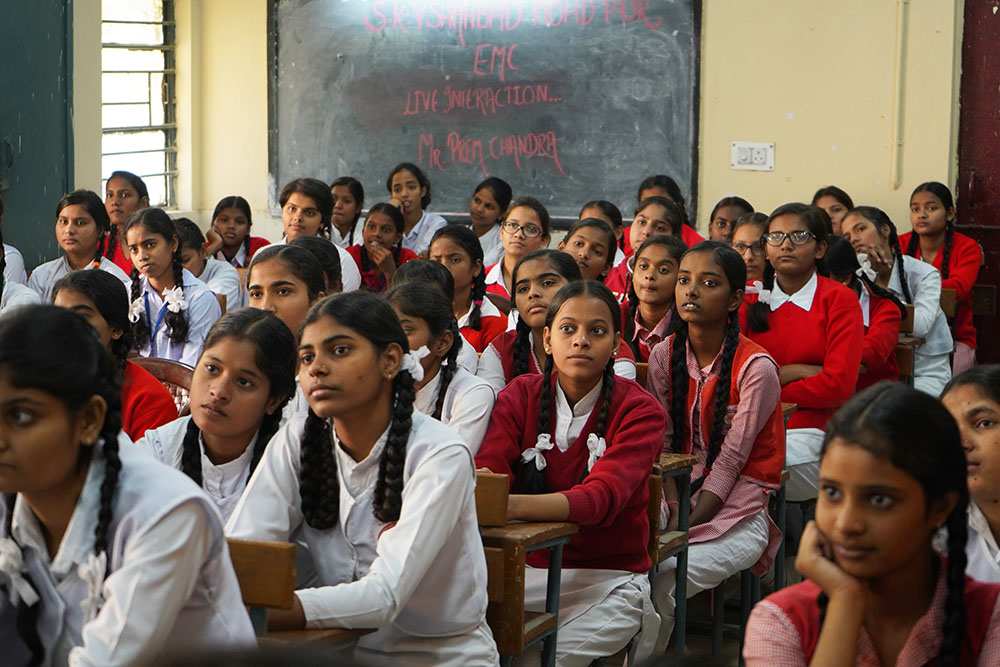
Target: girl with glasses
(746, 239)
(525, 229)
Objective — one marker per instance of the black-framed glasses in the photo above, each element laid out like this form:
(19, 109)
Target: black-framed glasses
(798, 237)
(756, 249)
(529, 230)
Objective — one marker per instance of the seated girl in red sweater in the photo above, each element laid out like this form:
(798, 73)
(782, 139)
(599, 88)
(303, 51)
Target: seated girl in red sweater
(579, 444)
(662, 185)
(653, 216)
(592, 244)
(812, 326)
(737, 432)
(893, 473)
(651, 313)
(380, 252)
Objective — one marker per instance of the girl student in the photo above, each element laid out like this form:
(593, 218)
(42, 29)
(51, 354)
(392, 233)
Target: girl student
(348, 200)
(244, 377)
(722, 395)
(892, 473)
(109, 558)
(381, 251)
(578, 443)
(13, 269)
(125, 194)
(220, 277)
(525, 229)
(654, 215)
(447, 392)
(457, 249)
(881, 312)
(836, 203)
(232, 221)
(661, 185)
(409, 186)
(871, 232)
(812, 326)
(82, 230)
(97, 296)
(592, 244)
(382, 494)
(171, 310)
(609, 213)
(957, 256)
(651, 315)
(746, 237)
(724, 215)
(487, 207)
(329, 259)
(973, 399)
(537, 279)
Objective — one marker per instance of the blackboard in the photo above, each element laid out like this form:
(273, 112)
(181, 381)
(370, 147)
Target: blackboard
(567, 100)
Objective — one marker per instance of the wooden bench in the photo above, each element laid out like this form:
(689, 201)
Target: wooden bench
(984, 300)
(642, 373)
(906, 324)
(949, 302)
(174, 375)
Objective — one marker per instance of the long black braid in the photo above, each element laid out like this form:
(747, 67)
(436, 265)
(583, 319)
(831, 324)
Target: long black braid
(319, 484)
(721, 408)
(522, 348)
(3, 263)
(448, 369)
(467, 240)
(530, 479)
(843, 262)
(156, 221)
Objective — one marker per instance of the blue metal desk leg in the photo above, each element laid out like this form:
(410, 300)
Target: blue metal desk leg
(552, 603)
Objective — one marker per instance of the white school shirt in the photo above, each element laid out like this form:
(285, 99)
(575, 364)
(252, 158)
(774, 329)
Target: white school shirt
(16, 295)
(45, 276)
(495, 277)
(222, 278)
(223, 483)
(492, 246)
(239, 260)
(619, 256)
(468, 358)
(171, 587)
(344, 241)
(419, 238)
(468, 404)
(420, 580)
(981, 548)
(202, 311)
(14, 271)
(931, 362)
(488, 309)
(350, 275)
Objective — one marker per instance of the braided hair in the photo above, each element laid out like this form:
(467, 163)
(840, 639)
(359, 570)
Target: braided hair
(274, 356)
(373, 319)
(560, 263)
(105, 291)
(141, 191)
(467, 240)
(243, 206)
(92, 204)
(941, 191)
(918, 436)
(320, 194)
(425, 271)
(843, 264)
(357, 191)
(670, 188)
(157, 222)
(676, 249)
(427, 302)
(878, 217)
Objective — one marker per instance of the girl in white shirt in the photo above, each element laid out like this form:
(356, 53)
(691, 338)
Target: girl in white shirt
(244, 377)
(383, 496)
(220, 277)
(109, 558)
(447, 392)
(487, 209)
(171, 310)
(348, 201)
(409, 185)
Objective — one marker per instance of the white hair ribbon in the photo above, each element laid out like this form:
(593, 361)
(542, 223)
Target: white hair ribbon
(596, 446)
(136, 311)
(543, 444)
(92, 573)
(174, 298)
(411, 362)
(763, 295)
(12, 564)
(866, 267)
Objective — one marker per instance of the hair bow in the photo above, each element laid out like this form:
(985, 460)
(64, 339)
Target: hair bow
(866, 267)
(596, 446)
(411, 362)
(92, 573)
(543, 444)
(763, 295)
(12, 564)
(174, 298)
(136, 311)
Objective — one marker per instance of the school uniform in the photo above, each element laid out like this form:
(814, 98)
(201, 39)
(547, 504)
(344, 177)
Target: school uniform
(468, 403)
(16, 295)
(492, 245)
(223, 279)
(494, 279)
(746, 471)
(45, 276)
(350, 276)
(496, 365)
(371, 279)
(121, 259)
(202, 311)
(981, 548)
(606, 563)
(881, 318)
(784, 628)
(14, 271)
(618, 280)
(619, 256)
(420, 580)
(820, 324)
(419, 238)
(492, 323)
(241, 259)
(647, 339)
(340, 240)
(146, 403)
(688, 234)
(170, 590)
(931, 362)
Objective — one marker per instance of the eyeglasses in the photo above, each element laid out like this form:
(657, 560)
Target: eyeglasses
(756, 249)
(530, 231)
(798, 237)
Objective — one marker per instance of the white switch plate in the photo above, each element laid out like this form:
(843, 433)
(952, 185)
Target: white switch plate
(754, 156)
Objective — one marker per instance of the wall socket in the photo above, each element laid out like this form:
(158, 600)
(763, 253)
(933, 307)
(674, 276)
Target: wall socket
(754, 156)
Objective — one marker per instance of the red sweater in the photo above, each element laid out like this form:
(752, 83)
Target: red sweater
(146, 403)
(123, 261)
(618, 279)
(963, 269)
(689, 235)
(610, 503)
(831, 335)
(490, 328)
(504, 345)
(881, 336)
(372, 280)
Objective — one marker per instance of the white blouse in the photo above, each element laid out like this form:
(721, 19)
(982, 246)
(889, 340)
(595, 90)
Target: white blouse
(16, 295)
(14, 271)
(202, 311)
(350, 275)
(468, 404)
(222, 278)
(45, 276)
(419, 238)
(492, 246)
(981, 548)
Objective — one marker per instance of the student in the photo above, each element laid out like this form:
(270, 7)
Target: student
(811, 325)
(881, 312)
(447, 392)
(411, 188)
(870, 231)
(592, 244)
(329, 258)
(406, 557)
(381, 251)
(98, 298)
(957, 256)
(724, 215)
(244, 377)
(219, 276)
(458, 250)
(232, 221)
(973, 399)
(578, 444)
(109, 558)
(12, 294)
(893, 473)
(609, 213)
(651, 315)
(723, 401)
(661, 185)
(126, 193)
(348, 201)
(525, 230)
(836, 203)
(746, 238)
(171, 310)
(654, 216)
(486, 211)
(13, 269)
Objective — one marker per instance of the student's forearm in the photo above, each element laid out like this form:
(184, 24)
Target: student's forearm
(708, 506)
(541, 507)
(838, 639)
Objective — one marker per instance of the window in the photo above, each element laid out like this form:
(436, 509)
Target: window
(138, 106)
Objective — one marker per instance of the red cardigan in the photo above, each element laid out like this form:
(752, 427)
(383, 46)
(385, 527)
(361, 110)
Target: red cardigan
(963, 269)
(146, 403)
(689, 235)
(881, 336)
(504, 346)
(831, 335)
(490, 328)
(123, 261)
(372, 280)
(610, 503)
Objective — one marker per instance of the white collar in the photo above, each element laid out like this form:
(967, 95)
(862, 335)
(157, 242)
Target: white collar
(583, 407)
(230, 471)
(486, 310)
(978, 522)
(495, 275)
(866, 304)
(427, 395)
(803, 298)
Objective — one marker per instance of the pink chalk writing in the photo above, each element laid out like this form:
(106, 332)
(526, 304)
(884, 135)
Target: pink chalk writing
(485, 100)
(476, 151)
